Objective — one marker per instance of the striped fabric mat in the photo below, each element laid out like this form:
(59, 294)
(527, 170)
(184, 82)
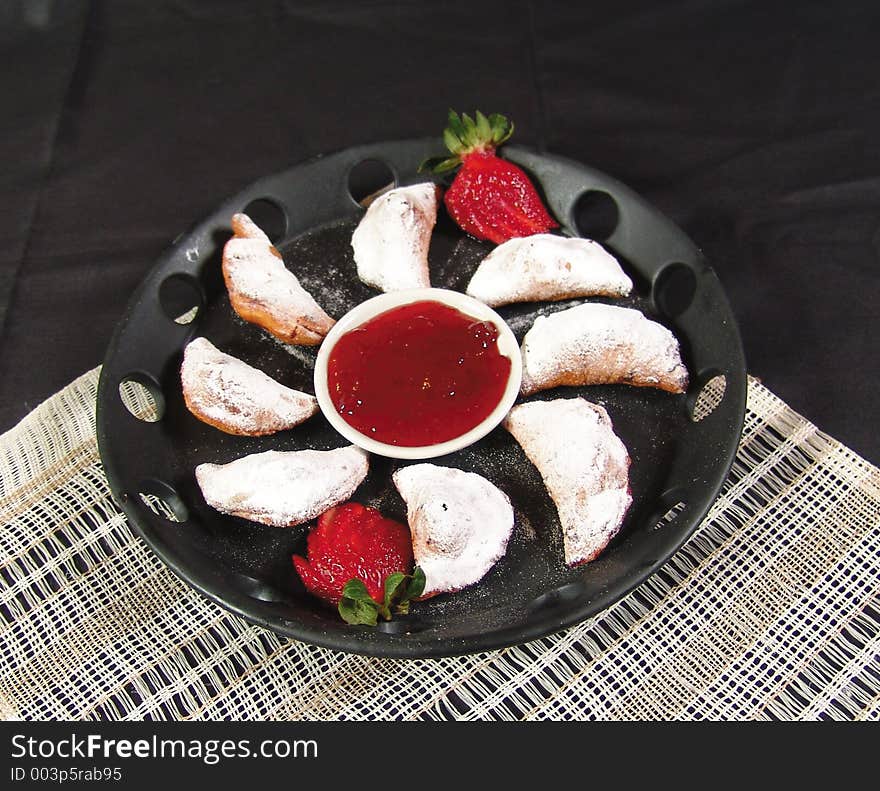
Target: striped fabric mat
(770, 610)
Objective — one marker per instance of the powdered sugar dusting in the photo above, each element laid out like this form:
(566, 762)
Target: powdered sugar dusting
(263, 290)
(233, 396)
(584, 465)
(262, 276)
(460, 524)
(601, 344)
(392, 239)
(283, 488)
(244, 226)
(547, 267)
(300, 353)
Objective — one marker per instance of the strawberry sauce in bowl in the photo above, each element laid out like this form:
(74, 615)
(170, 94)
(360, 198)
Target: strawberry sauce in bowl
(417, 374)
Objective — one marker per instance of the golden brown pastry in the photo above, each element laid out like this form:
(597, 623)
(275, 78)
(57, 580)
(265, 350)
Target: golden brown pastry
(231, 395)
(262, 290)
(601, 344)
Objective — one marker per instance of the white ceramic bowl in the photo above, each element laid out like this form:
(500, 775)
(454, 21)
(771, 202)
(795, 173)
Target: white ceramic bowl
(507, 346)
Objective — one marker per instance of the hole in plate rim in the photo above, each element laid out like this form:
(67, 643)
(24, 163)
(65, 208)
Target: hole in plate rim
(178, 313)
(270, 216)
(403, 625)
(703, 399)
(257, 589)
(673, 288)
(606, 208)
(556, 597)
(147, 413)
(389, 179)
(167, 495)
(671, 503)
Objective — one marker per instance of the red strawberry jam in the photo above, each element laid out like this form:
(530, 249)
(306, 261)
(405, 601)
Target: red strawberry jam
(351, 541)
(417, 375)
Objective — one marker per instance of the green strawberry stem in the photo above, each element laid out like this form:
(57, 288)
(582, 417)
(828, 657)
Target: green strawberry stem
(464, 135)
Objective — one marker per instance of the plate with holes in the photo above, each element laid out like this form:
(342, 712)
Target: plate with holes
(681, 446)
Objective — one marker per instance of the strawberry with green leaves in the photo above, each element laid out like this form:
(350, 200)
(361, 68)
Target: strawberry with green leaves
(489, 198)
(362, 562)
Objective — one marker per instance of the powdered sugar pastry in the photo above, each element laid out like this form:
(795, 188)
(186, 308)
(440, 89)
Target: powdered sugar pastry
(262, 290)
(392, 239)
(460, 524)
(231, 395)
(601, 344)
(584, 465)
(547, 267)
(283, 488)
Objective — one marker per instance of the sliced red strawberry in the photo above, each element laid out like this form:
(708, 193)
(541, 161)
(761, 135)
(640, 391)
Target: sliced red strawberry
(490, 197)
(349, 542)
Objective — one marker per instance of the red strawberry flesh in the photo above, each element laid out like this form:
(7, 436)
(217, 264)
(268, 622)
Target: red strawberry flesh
(493, 198)
(352, 541)
(490, 197)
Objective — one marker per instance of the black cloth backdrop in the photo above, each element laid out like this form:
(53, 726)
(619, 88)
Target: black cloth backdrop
(754, 125)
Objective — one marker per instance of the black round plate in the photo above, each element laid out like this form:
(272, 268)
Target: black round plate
(678, 462)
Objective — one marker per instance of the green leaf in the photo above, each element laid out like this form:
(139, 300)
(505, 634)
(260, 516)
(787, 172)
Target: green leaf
(470, 131)
(464, 134)
(431, 164)
(412, 589)
(502, 129)
(357, 606)
(439, 165)
(355, 589)
(484, 128)
(454, 133)
(447, 165)
(416, 585)
(453, 142)
(454, 124)
(357, 612)
(392, 583)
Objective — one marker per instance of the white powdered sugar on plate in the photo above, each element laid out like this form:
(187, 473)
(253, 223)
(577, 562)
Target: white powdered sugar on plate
(584, 465)
(547, 267)
(601, 344)
(392, 239)
(235, 397)
(460, 524)
(283, 488)
(304, 355)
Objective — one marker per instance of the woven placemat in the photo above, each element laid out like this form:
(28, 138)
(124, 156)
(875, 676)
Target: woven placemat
(769, 611)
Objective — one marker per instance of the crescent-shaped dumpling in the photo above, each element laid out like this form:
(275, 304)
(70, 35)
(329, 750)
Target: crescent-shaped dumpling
(545, 267)
(283, 488)
(263, 291)
(601, 344)
(584, 465)
(231, 395)
(392, 239)
(460, 524)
